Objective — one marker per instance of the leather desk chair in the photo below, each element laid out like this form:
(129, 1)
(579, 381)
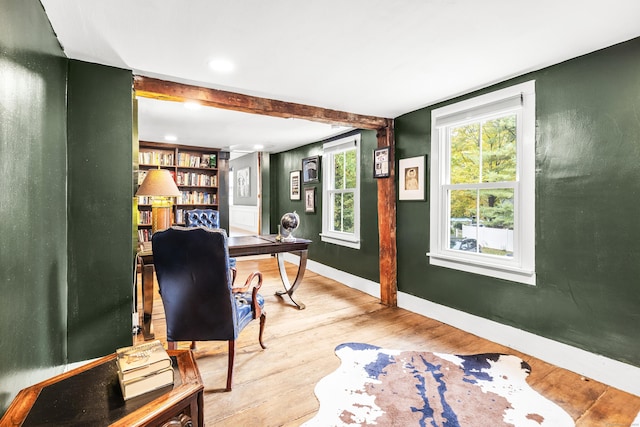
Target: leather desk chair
(195, 284)
(209, 218)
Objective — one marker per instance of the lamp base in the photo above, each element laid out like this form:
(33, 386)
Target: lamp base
(161, 218)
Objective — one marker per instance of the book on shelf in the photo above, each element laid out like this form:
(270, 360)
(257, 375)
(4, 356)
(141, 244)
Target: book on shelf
(145, 217)
(142, 359)
(141, 385)
(196, 179)
(198, 160)
(162, 158)
(144, 234)
(197, 198)
(141, 176)
(145, 200)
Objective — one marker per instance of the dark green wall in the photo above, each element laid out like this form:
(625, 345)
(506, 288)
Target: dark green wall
(223, 183)
(66, 203)
(33, 229)
(587, 190)
(362, 262)
(265, 194)
(100, 192)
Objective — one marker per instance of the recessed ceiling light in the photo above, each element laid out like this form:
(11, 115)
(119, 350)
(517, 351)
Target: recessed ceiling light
(221, 65)
(170, 138)
(192, 105)
(258, 147)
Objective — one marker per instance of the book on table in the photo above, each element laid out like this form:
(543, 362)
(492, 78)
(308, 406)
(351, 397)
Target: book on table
(142, 359)
(143, 367)
(140, 385)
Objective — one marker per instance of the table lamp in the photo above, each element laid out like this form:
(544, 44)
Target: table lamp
(160, 186)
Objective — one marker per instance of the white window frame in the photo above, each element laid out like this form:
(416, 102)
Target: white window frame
(521, 267)
(351, 240)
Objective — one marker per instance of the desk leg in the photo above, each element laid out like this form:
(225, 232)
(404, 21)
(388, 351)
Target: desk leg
(147, 300)
(290, 289)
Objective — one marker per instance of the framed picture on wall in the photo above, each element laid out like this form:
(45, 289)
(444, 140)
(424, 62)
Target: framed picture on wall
(381, 162)
(294, 185)
(243, 182)
(412, 176)
(310, 199)
(310, 169)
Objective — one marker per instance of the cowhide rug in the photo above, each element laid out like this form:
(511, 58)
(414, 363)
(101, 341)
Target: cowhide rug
(375, 386)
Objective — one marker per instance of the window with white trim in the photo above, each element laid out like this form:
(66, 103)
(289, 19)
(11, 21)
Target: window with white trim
(341, 192)
(483, 185)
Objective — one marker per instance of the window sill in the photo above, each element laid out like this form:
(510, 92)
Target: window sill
(505, 272)
(354, 244)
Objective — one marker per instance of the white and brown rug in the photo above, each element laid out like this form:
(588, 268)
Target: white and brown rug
(381, 387)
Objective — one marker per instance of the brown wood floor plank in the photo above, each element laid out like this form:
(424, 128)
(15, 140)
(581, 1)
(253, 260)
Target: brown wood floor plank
(274, 387)
(613, 408)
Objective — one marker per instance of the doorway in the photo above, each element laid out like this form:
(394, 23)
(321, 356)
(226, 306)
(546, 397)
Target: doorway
(244, 194)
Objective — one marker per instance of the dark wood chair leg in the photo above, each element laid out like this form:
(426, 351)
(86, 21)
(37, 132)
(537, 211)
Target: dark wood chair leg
(232, 354)
(172, 345)
(263, 319)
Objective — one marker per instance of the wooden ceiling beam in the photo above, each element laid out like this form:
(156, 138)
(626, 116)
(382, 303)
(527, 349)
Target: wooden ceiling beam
(171, 91)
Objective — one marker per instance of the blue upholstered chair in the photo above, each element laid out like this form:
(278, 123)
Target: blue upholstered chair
(209, 218)
(194, 279)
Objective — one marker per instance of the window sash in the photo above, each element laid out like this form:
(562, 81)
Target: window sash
(329, 231)
(332, 197)
(519, 267)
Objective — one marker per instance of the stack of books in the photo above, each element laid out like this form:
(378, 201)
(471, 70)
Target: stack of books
(143, 368)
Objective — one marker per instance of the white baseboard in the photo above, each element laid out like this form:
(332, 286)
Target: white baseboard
(355, 282)
(608, 371)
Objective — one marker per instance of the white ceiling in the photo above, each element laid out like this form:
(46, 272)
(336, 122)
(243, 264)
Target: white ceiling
(232, 130)
(374, 57)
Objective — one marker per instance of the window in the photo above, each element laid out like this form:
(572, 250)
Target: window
(341, 192)
(483, 185)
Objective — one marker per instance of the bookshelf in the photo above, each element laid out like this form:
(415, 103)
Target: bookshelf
(195, 170)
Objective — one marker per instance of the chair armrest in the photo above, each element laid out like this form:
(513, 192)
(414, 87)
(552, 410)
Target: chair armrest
(247, 283)
(234, 273)
(255, 307)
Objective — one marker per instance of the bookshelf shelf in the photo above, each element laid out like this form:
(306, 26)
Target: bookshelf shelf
(153, 166)
(195, 170)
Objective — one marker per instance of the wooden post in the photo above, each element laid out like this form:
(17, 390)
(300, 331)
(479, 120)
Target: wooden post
(387, 222)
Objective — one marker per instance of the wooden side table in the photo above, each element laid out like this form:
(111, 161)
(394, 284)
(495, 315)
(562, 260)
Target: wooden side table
(90, 395)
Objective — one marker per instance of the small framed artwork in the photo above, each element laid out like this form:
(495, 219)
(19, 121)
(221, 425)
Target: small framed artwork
(310, 200)
(294, 185)
(243, 182)
(310, 169)
(412, 175)
(381, 162)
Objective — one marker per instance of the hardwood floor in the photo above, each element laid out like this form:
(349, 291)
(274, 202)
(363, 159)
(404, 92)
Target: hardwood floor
(274, 387)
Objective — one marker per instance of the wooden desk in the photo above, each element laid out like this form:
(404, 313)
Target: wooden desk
(238, 246)
(90, 396)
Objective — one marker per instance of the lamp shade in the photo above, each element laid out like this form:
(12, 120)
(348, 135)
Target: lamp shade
(160, 183)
